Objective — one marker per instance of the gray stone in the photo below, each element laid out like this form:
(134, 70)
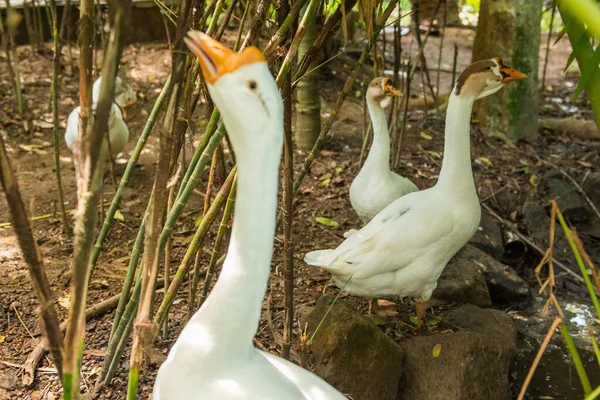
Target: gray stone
(504, 284)
(352, 353)
(471, 364)
(463, 282)
(489, 236)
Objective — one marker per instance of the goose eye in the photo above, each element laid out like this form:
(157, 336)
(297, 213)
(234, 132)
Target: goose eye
(252, 85)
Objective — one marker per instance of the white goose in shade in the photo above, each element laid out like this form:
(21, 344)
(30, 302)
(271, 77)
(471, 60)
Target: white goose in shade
(376, 186)
(125, 96)
(118, 133)
(214, 357)
(404, 249)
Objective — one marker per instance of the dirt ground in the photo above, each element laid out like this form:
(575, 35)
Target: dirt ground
(503, 176)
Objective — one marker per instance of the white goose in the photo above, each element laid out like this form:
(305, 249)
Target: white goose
(118, 133)
(214, 357)
(125, 96)
(404, 249)
(376, 186)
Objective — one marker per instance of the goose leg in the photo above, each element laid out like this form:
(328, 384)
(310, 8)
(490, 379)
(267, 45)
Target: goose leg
(420, 305)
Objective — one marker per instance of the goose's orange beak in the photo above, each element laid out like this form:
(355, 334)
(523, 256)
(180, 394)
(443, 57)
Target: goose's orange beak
(217, 60)
(390, 91)
(510, 74)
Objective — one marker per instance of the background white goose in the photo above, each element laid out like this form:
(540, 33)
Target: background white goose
(404, 249)
(376, 186)
(125, 96)
(214, 357)
(118, 132)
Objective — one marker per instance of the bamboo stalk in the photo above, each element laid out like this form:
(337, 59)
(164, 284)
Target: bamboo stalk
(193, 247)
(114, 205)
(33, 258)
(226, 19)
(581, 373)
(218, 243)
(89, 152)
(547, 53)
(284, 28)
(288, 172)
(54, 97)
(8, 42)
(145, 329)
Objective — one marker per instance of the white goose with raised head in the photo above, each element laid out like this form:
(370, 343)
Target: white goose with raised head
(376, 186)
(404, 249)
(214, 357)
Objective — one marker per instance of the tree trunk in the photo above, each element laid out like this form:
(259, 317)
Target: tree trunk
(308, 108)
(510, 29)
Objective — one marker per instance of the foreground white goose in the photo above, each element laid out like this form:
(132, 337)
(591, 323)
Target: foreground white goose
(214, 357)
(404, 249)
(118, 133)
(376, 186)
(125, 96)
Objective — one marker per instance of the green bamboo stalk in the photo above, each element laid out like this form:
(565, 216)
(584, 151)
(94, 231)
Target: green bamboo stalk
(588, 282)
(194, 179)
(133, 263)
(226, 19)
(238, 40)
(208, 133)
(54, 101)
(289, 57)
(282, 32)
(218, 243)
(583, 378)
(594, 395)
(215, 17)
(193, 247)
(114, 205)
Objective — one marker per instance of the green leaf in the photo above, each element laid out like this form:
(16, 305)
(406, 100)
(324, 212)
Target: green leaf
(582, 42)
(327, 222)
(587, 71)
(119, 216)
(424, 135)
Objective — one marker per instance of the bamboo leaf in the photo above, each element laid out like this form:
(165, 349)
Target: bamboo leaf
(437, 349)
(581, 44)
(587, 73)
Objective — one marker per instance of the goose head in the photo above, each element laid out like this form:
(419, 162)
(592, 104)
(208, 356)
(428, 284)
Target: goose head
(381, 90)
(125, 96)
(486, 77)
(244, 91)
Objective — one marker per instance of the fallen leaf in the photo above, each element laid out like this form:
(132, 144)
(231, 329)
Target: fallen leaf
(43, 124)
(584, 164)
(437, 349)
(119, 216)
(533, 179)
(2, 339)
(327, 222)
(425, 135)
(486, 161)
(325, 182)
(65, 300)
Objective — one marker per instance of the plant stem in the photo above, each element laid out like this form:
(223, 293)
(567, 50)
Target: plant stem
(33, 258)
(54, 100)
(193, 247)
(583, 378)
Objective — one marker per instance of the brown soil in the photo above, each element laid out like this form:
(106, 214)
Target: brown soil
(503, 176)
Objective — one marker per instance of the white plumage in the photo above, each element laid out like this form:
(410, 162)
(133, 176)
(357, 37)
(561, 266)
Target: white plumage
(376, 186)
(214, 357)
(404, 249)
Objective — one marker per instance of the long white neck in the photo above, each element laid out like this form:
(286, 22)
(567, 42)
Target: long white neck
(456, 173)
(379, 155)
(232, 311)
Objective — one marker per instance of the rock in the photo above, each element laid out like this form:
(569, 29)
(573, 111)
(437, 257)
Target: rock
(570, 202)
(471, 365)
(463, 282)
(504, 284)
(353, 354)
(591, 186)
(489, 236)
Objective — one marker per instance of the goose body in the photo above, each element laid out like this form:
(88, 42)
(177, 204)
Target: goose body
(403, 250)
(118, 132)
(376, 186)
(214, 357)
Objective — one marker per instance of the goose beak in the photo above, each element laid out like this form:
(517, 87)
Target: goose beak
(390, 90)
(126, 108)
(511, 74)
(211, 54)
(217, 60)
